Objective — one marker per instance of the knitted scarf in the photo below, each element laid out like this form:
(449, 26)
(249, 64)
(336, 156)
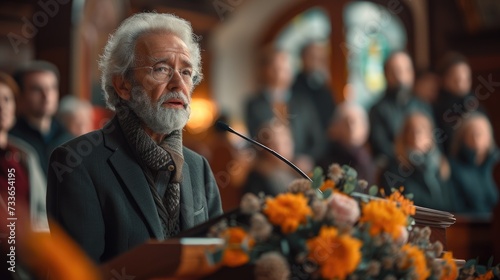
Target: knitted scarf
(154, 158)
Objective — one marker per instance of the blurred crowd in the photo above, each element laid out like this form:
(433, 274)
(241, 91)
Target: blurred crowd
(33, 122)
(428, 132)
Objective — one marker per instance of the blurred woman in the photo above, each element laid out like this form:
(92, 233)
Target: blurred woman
(473, 157)
(419, 165)
(19, 162)
(269, 175)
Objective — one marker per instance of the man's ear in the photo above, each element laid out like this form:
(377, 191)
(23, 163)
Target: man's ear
(122, 86)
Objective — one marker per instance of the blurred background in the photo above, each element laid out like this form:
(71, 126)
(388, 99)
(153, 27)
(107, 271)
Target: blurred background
(358, 35)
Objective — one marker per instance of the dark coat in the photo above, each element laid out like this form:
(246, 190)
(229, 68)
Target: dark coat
(474, 188)
(420, 176)
(358, 158)
(43, 144)
(449, 112)
(305, 126)
(99, 194)
(387, 117)
(319, 94)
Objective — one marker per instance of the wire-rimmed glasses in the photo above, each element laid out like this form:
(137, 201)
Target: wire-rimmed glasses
(163, 73)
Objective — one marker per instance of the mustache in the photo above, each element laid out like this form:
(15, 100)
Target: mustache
(174, 95)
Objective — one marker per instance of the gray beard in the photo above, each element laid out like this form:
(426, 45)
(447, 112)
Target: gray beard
(156, 117)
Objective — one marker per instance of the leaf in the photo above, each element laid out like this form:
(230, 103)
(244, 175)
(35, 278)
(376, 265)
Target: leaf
(350, 172)
(349, 187)
(285, 247)
(327, 193)
(470, 263)
(496, 272)
(215, 257)
(409, 196)
(317, 178)
(373, 190)
(490, 262)
(481, 269)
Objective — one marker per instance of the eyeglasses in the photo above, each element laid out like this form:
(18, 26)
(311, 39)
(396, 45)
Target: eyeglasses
(163, 73)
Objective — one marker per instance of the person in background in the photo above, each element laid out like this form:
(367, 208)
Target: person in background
(313, 82)
(473, 156)
(275, 100)
(133, 180)
(452, 103)
(76, 115)
(348, 136)
(426, 87)
(269, 175)
(419, 165)
(38, 101)
(387, 115)
(18, 159)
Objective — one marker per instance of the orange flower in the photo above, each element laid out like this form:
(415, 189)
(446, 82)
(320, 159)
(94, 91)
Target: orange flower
(487, 276)
(450, 271)
(57, 252)
(337, 255)
(383, 216)
(414, 258)
(287, 211)
(235, 253)
(405, 204)
(327, 184)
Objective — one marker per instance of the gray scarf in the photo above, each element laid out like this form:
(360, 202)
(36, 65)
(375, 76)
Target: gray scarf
(155, 160)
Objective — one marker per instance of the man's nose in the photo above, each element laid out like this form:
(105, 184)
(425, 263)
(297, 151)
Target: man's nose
(177, 84)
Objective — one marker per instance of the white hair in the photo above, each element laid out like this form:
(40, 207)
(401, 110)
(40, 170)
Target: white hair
(343, 108)
(119, 53)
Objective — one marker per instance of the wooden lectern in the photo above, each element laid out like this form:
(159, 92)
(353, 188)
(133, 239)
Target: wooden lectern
(179, 258)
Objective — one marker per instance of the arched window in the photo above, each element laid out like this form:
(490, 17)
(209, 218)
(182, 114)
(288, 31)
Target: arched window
(311, 25)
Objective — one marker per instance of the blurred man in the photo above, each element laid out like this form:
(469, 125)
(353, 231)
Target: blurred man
(133, 180)
(388, 114)
(276, 100)
(38, 101)
(455, 100)
(313, 81)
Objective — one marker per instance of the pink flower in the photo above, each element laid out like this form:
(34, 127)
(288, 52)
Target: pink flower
(343, 209)
(403, 237)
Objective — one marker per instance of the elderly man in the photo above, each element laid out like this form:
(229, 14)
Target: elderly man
(133, 180)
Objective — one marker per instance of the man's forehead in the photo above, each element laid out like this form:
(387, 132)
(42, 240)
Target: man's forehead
(40, 75)
(160, 44)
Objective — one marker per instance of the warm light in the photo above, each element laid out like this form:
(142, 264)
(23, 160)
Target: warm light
(203, 112)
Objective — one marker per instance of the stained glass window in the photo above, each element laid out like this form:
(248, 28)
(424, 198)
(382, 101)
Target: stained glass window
(372, 32)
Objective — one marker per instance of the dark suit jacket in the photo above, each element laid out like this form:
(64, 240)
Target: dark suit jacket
(99, 194)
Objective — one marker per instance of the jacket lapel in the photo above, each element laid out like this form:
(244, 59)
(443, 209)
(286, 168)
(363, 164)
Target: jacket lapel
(132, 176)
(187, 202)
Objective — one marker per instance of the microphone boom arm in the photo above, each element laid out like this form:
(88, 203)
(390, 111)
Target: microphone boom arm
(228, 128)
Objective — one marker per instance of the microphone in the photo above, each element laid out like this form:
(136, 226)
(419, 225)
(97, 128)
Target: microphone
(224, 127)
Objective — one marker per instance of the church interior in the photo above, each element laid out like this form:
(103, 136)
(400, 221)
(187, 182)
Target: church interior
(357, 49)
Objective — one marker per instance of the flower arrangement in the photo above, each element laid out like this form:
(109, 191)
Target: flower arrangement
(318, 230)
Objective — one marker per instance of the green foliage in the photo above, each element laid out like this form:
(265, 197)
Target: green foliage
(317, 178)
